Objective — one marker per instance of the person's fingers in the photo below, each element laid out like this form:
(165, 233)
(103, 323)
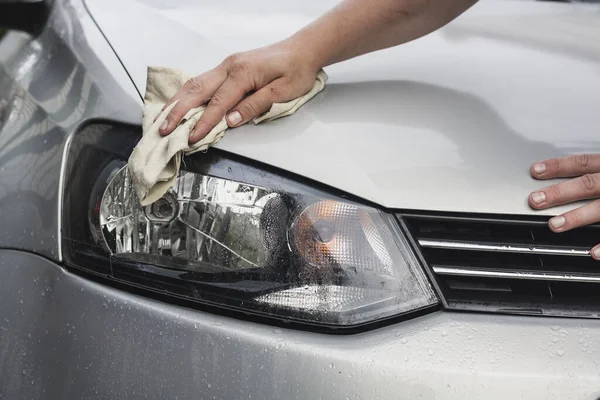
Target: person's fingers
(581, 188)
(194, 93)
(171, 101)
(586, 167)
(184, 104)
(585, 215)
(258, 103)
(225, 98)
(566, 167)
(596, 252)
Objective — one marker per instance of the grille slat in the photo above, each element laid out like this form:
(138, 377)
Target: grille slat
(521, 274)
(514, 264)
(503, 248)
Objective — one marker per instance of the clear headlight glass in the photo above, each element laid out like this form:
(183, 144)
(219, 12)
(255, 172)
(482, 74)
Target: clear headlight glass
(276, 250)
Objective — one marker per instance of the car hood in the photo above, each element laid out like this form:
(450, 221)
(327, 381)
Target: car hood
(450, 122)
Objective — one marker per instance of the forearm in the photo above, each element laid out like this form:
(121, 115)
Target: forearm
(357, 27)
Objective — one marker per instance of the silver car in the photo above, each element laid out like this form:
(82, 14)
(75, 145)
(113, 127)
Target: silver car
(376, 245)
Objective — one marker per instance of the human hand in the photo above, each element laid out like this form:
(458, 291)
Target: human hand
(243, 86)
(585, 171)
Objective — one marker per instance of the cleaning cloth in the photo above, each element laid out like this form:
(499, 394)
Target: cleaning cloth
(155, 161)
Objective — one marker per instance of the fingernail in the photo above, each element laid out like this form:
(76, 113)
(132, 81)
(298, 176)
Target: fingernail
(557, 222)
(596, 252)
(538, 197)
(539, 168)
(234, 118)
(164, 125)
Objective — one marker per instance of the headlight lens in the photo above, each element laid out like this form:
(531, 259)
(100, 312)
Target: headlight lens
(293, 255)
(233, 236)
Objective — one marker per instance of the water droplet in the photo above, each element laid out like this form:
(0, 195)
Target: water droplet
(24, 372)
(331, 365)
(444, 333)
(277, 331)
(104, 305)
(430, 352)
(404, 340)
(555, 328)
(555, 339)
(560, 353)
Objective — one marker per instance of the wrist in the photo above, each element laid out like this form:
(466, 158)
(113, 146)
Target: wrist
(307, 51)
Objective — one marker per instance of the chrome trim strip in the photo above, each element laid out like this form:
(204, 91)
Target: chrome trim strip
(460, 271)
(502, 248)
(61, 189)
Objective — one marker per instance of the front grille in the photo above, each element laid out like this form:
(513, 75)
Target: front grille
(514, 265)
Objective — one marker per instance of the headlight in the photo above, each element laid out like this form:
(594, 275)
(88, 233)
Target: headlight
(232, 235)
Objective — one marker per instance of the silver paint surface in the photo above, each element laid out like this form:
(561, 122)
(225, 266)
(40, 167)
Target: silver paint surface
(63, 337)
(450, 122)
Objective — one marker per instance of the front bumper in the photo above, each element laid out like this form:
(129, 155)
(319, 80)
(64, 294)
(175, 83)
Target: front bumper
(64, 337)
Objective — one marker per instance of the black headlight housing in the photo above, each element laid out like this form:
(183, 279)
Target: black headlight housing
(236, 235)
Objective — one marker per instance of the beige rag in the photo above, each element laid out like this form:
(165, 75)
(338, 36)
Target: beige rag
(155, 161)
